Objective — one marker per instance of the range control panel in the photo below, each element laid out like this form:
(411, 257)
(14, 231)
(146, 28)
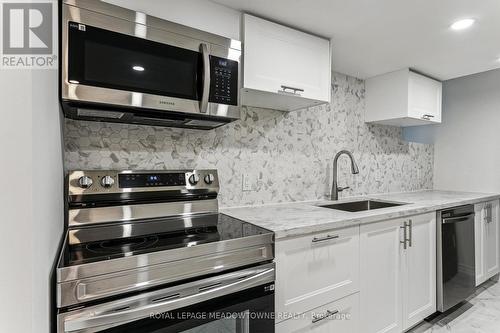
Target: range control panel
(131, 180)
(102, 182)
(223, 81)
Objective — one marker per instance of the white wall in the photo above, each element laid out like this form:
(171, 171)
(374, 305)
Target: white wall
(16, 249)
(32, 206)
(31, 199)
(467, 144)
(47, 206)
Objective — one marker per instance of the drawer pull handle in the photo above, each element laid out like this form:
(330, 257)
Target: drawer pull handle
(322, 239)
(328, 314)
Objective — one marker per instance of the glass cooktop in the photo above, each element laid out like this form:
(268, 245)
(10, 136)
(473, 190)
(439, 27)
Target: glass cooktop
(196, 231)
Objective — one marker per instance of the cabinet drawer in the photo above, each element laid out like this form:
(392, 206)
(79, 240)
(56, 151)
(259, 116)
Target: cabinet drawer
(316, 269)
(338, 316)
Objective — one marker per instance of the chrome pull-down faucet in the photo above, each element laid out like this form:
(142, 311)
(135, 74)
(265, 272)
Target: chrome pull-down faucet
(354, 169)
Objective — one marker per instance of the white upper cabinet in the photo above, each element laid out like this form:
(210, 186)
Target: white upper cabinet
(403, 98)
(284, 69)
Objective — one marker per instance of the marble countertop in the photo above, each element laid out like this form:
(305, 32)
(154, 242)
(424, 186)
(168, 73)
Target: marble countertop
(300, 218)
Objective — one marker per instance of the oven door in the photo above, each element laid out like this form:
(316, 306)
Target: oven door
(239, 302)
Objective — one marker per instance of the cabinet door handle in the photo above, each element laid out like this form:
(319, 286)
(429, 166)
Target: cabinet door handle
(427, 116)
(284, 90)
(328, 313)
(410, 238)
(405, 234)
(488, 213)
(326, 238)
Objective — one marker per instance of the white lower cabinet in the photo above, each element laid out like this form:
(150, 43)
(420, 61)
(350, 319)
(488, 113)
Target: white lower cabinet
(419, 271)
(380, 277)
(316, 269)
(380, 281)
(487, 240)
(398, 273)
(339, 316)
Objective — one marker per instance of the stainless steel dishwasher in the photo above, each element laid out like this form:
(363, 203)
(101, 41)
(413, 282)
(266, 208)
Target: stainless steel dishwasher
(456, 268)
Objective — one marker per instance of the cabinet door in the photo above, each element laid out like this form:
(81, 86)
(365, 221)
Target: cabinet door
(340, 316)
(424, 98)
(316, 269)
(491, 249)
(380, 278)
(276, 56)
(479, 242)
(419, 270)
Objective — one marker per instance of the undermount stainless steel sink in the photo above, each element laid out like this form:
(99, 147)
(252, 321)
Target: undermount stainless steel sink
(358, 206)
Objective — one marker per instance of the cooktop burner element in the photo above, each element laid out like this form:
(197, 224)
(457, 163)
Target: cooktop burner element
(129, 231)
(124, 245)
(226, 228)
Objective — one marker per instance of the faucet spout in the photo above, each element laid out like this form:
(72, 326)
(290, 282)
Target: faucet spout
(354, 170)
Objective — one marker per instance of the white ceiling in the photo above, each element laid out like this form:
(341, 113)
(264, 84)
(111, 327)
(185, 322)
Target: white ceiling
(372, 37)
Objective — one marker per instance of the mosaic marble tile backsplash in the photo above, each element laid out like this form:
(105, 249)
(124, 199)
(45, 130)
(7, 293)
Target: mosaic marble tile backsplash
(287, 156)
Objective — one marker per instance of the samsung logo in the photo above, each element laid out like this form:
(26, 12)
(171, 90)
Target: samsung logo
(167, 103)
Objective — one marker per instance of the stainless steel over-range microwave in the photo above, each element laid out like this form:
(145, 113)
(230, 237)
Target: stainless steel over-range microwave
(119, 65)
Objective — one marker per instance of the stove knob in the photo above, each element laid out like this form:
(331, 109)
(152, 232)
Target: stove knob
(209, 179)
(107, 181)
(194, 179)
(85, 182)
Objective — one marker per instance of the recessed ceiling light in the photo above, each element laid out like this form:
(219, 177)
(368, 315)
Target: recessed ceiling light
(138, 68)
(462, 24)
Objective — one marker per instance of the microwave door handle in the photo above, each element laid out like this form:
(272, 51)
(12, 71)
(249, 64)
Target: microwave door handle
(206, 78)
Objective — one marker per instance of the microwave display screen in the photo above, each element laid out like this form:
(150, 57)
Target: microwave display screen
(103, 58)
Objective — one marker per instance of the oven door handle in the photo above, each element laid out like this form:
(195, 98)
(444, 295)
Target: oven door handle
(206, 78)
(93, 320)
(457, 219)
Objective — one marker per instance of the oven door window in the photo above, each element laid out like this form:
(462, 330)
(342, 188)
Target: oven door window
(249, 311)
(107, 59)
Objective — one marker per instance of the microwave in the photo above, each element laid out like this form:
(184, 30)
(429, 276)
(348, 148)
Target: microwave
(119, 65)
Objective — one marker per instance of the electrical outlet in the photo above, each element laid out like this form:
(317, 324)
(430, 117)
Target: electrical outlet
(246, 182)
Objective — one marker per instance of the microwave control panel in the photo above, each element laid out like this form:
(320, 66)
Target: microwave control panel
(223, 81)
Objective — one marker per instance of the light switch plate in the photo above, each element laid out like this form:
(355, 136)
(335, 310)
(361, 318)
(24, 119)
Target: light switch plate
(246, 182)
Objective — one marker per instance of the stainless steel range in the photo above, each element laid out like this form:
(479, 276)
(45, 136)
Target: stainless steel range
(148, 252)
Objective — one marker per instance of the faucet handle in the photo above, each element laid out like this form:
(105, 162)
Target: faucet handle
(340, 189)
